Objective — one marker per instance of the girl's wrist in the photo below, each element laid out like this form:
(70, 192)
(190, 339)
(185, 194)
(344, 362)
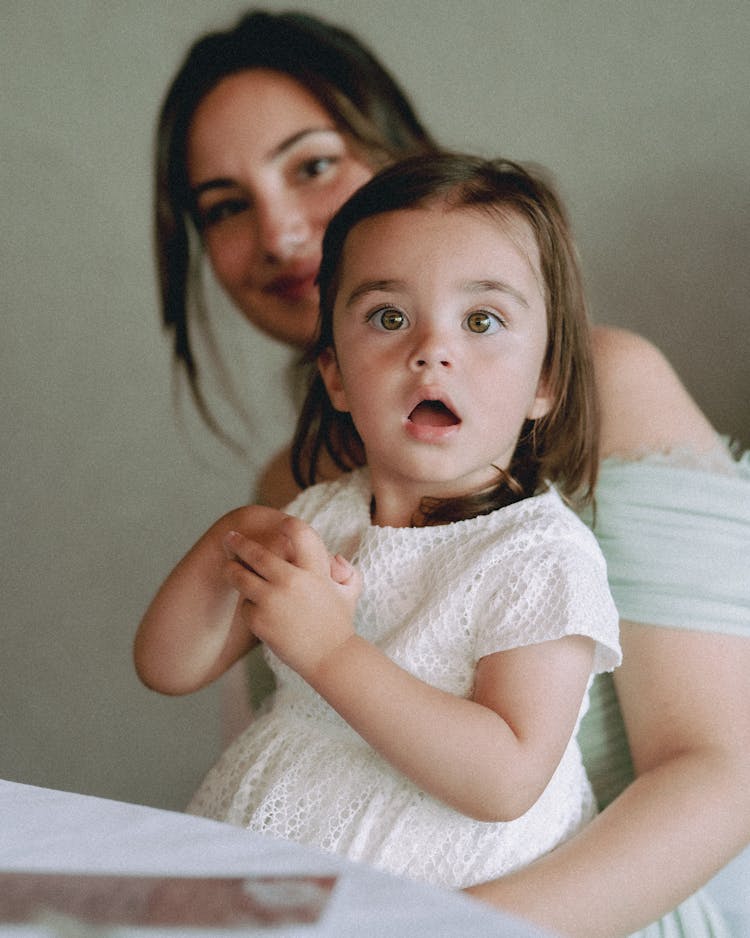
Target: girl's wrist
(335, 665)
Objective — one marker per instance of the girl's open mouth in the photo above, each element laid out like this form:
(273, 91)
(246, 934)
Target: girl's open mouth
(433, 414)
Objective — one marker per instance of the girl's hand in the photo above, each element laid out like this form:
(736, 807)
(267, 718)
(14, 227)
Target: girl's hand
(289, 538)
(299, 600)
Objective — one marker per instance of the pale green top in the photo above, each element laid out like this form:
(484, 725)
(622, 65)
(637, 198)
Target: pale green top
(676, 536)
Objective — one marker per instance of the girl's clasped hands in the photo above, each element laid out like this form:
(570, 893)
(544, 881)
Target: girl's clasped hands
(294, 596)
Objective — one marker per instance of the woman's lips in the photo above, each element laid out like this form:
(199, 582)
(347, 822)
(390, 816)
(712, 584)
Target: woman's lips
(294, 286)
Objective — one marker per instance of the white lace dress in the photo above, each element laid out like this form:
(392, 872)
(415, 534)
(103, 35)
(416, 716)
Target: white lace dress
(435, 600)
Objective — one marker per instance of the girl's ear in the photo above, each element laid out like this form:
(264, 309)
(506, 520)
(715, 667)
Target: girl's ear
(542, 403)
(328, 367)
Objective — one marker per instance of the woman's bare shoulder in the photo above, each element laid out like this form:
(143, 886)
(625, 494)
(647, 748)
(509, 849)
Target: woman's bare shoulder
(276, 486)
(644, 405)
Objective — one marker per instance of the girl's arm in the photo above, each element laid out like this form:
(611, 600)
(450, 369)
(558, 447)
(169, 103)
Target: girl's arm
(192, 631)
(489, 757)
(684, 699)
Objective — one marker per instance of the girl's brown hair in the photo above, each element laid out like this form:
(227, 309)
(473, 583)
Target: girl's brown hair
(362, 98)
(560, 447)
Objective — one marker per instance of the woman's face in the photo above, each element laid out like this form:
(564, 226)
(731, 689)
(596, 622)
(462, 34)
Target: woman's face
(268, 169)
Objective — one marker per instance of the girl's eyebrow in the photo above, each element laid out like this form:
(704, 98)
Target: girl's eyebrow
(374, 286)
(466, 286)
(495, 286)
(288, 143)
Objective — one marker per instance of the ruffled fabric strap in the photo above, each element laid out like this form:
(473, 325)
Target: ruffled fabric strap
(677, 542)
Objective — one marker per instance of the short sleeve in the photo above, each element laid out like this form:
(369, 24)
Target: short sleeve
(542, 594)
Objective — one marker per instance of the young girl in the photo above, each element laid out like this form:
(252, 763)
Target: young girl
(433, 620)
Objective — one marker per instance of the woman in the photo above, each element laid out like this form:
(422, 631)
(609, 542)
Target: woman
(265, 131)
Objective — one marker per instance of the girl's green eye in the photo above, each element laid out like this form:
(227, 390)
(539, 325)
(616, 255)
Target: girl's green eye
(390, 319)
(479, 321)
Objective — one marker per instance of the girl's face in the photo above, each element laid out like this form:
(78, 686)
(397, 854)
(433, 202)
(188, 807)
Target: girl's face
(440, 331)
(268, 169)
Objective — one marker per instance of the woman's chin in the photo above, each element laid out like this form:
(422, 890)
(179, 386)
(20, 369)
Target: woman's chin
(290, 323)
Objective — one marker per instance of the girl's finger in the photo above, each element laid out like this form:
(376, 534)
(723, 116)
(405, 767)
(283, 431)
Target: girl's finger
(341, 569)
(254, 557)
(309, 551)
(279, 544)
(244, 579)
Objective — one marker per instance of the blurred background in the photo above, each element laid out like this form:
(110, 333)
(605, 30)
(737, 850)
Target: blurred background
(640, 109)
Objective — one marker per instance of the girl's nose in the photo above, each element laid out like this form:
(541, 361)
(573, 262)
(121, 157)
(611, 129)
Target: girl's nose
(431, 350)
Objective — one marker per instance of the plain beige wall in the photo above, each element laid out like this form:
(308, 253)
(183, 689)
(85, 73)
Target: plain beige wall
(642, 111)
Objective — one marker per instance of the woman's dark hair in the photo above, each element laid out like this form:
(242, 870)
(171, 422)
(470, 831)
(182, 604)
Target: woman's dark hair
(560, 447)
(361, 97)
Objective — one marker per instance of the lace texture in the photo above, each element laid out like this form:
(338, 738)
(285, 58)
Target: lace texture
(435, 600)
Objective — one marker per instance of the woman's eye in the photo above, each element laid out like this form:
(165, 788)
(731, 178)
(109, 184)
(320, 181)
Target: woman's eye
(481, 321)
(220, 211)
(313, 168)
(389, 319)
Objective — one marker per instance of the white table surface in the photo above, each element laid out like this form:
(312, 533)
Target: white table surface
(43, 830)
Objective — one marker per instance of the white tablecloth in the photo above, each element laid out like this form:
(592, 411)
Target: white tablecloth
(43, 830)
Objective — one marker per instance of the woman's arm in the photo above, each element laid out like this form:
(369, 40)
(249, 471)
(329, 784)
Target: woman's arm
(192, 631)
(684, 699)
(490, 757)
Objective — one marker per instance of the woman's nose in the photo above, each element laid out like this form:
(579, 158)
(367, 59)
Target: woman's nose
(283, 231)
